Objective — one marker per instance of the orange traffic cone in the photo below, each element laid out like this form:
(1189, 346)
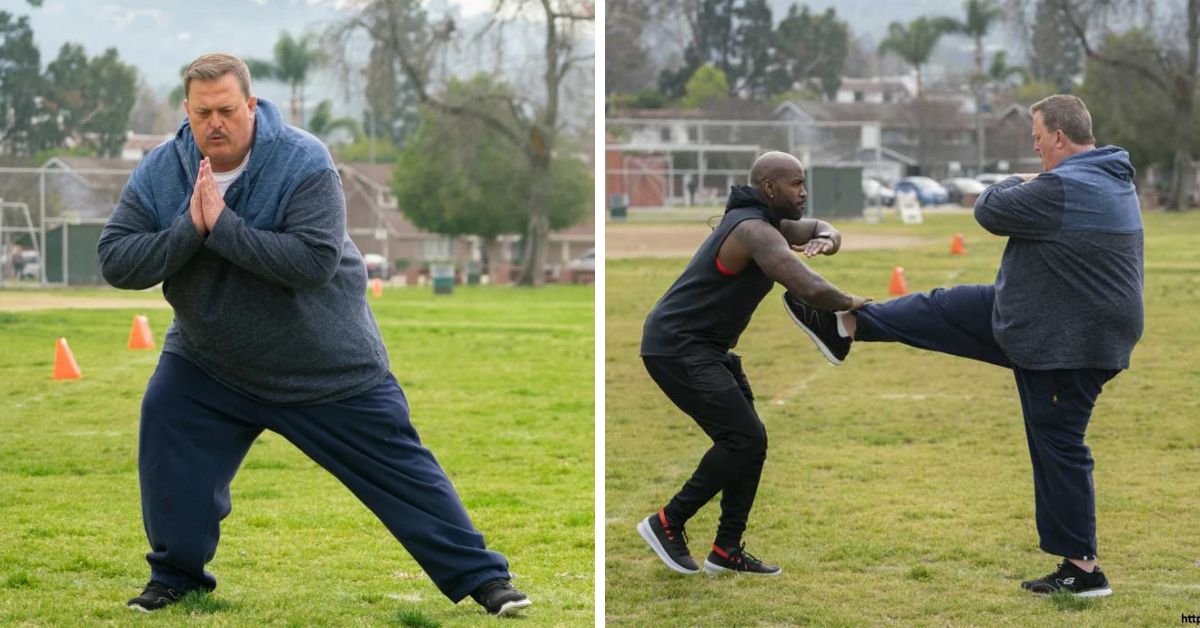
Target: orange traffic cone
(956, 245)
(898, 286)
(64, 363)
(140, 336)
(377, 287)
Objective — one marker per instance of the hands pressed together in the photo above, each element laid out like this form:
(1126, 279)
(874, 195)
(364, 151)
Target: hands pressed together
(207, 202)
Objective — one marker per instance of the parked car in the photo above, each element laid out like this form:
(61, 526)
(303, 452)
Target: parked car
(963, 190)
(991, 178)
(587, 261)
(928, 191)
(877, 193)
(377, 266)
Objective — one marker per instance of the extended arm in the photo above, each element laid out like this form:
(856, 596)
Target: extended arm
(770, 251)
(1030, 209)
(134, 255)
(800, 233)
(306, 252)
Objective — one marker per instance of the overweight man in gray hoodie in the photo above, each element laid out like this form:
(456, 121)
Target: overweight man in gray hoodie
(242, 219)
(1064, 315)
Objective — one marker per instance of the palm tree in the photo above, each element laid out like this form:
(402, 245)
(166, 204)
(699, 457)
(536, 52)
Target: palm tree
(1000, 71)
(980, 16)
(294, 58)
(914, 43)
(322, 123)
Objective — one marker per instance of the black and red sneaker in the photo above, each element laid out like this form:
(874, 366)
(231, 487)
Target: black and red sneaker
(737, 560)
(669, 542)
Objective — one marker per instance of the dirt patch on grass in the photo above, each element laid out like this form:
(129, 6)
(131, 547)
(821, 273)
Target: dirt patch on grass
(22, 301)
(683, 240)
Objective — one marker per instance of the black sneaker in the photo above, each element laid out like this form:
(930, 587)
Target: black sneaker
(821, 327)
(498, 597)
(669, 542)
(737, 560)
(156, 595)
(1070, 578)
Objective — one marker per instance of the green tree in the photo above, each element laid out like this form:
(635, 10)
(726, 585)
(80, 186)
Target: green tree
(914, 42)
(733, 35)
(752, 39)
(980, 15)
(1056, 56)
(529, 123)
(1033, 91)
(322, 123)
(707, 86)
(376, 150)
(92, 98)
(457, 177)
(20, 85)
(1001, 73)
(1132, 116)
(1170, 67)
(808, 48)
(293, 59)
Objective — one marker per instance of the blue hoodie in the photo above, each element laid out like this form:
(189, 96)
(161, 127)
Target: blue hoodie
(1069, 288)
(272, 302)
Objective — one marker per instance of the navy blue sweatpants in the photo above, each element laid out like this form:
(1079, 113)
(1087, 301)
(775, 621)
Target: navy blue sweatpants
(196, 431)
(1057, 404)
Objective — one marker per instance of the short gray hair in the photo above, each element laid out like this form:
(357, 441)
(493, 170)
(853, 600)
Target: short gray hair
(213, 66)
(1066, 113)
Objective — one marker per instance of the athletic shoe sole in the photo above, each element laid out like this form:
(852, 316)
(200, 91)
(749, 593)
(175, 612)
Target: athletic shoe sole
(1105, 592)
(647, 535)
(811, 336)
(508, 609)
(139, 608)
(714, 569)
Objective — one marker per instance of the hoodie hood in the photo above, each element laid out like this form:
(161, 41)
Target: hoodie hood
(745, 196)
(1110, 160)
(281, 158)
(267, 124)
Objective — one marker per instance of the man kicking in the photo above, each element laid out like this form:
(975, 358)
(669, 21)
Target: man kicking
(686, 344)
(1064, 315)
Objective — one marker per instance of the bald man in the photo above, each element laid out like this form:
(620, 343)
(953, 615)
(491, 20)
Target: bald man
(686, 343)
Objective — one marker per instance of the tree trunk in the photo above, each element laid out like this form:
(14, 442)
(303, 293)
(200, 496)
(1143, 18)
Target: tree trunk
(1183, 181)
(538, 232)
(1182, 177)
(980, 79)
(295, 104)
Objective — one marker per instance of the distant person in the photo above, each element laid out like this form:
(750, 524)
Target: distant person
(18, 260)
(242, 219)
(1064, 315)
(691, 185)
(686, 347)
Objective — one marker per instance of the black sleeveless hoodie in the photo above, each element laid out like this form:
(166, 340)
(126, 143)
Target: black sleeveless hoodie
(706, 310)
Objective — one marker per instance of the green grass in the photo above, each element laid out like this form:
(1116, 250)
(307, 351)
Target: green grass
(897, 487)
(500, 383)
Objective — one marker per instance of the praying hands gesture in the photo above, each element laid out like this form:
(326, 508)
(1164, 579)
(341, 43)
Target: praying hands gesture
(207, 202)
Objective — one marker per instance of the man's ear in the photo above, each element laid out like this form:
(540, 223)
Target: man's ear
(252, 103)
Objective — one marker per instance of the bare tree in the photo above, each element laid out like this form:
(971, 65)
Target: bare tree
(530, 124)
(1176, 59)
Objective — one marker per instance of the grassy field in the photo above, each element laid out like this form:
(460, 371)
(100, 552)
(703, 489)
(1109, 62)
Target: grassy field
(500, 382)
(897, 488)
